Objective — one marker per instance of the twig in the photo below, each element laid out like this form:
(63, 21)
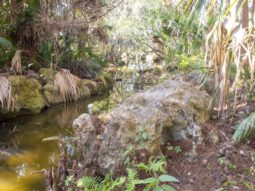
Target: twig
(39, 171)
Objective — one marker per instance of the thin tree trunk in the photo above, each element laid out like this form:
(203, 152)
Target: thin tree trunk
(251, 12)
(16, 7)
(43, 8)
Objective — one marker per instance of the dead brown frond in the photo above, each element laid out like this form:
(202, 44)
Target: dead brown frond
(6, 100)
(217, 57)
(16, 62)
(68, 85)
(224, 48)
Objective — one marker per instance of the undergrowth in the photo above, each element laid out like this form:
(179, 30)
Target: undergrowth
(155, 169)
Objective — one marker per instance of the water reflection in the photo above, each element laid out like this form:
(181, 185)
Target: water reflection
(28, 144)
(23, 154)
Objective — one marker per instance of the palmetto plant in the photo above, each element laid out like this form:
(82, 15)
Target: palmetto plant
(68, 85)
(6, 50)
(229, 42)
(6, 100)
(245, 129)
(6, 44)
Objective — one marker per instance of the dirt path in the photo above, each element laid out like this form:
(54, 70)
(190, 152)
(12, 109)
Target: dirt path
(220, 164)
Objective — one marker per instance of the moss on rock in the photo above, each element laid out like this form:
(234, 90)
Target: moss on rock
(91, 85)
(51, 94)
(46, 74)
(85, 92)
(27, 94)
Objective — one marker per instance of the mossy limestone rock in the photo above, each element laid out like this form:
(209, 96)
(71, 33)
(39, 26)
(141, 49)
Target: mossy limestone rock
(91, 85)
(27, 95)
(51, 95)
(85, 92)
(102, 85)
(169, 111)
(46, 74)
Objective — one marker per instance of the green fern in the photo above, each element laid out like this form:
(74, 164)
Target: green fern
(132, 180)
(88, 183)
(245, 129)
(153, 166)
(97, 184)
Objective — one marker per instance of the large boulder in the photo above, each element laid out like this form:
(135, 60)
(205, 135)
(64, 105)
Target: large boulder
(51, 94)
(169, 111)
(26, 93)
(46, 75)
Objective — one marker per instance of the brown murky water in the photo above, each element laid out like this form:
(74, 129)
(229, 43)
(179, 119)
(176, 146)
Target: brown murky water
(23, 153)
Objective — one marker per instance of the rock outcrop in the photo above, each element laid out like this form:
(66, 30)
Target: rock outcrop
(26, 93)
(31, 95)
(169, 111)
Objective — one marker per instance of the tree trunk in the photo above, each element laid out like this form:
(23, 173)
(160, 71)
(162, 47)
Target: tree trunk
(16, 7)
(43, 8)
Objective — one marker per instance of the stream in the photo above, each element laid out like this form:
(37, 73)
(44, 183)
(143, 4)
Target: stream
(25, 150)
(24, 153)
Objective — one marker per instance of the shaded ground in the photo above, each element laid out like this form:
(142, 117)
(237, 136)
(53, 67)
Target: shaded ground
(219, 164)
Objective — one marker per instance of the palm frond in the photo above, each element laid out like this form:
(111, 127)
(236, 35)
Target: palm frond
(67, 85)
(111, 184)
(245, 129)
(198, 8)
(6, 100)
(16, 62)
(6, 44)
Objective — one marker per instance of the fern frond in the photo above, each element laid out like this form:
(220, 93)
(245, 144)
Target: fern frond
(154, 166)
(132, 179)
(115, 184)
(245, 129)
(157, 166)
(89, 183)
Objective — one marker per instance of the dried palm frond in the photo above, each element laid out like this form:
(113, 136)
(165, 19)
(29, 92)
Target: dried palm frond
(67, 85)
(16, 62)
(245, 129)
(6, 100)
(218, 58)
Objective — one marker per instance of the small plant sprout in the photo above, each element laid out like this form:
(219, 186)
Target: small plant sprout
(221, 160)
(142, 137)
(176, 149)
(158, 180)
